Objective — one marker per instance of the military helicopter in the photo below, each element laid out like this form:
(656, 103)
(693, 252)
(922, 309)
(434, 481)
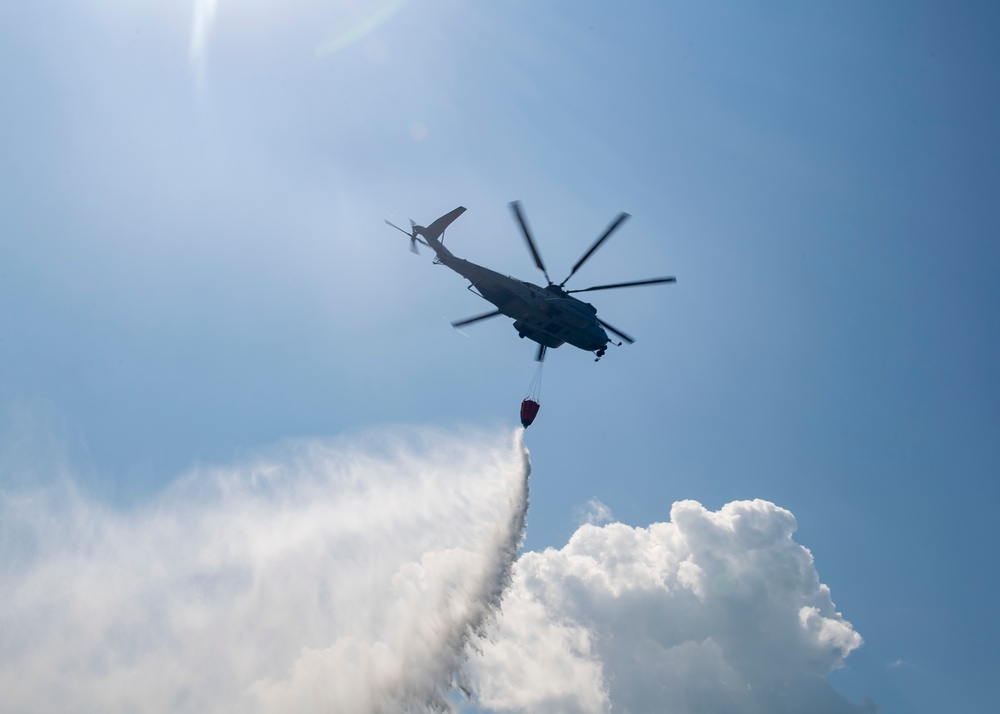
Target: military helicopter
(549, 316)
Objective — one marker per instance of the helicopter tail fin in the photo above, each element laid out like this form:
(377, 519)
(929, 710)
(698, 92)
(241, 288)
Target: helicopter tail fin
(434, 230)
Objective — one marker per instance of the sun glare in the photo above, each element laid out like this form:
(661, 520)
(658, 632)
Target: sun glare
(350, 22)
(204, 16)
(363, 20)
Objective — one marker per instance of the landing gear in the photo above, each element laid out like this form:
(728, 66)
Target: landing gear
(600, 353)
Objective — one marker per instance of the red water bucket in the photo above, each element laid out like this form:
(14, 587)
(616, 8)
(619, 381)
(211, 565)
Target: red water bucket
(529, 410)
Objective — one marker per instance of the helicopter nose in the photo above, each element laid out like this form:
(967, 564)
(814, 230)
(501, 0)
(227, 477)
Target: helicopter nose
(598, 333)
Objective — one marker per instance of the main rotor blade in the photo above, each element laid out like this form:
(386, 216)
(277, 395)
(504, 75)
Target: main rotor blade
(631, 283)
(515, 206)
(616, 331)
(621, 218)
(477, 318)
(541, 353)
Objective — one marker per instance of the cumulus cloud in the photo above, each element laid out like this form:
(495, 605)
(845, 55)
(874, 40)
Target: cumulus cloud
(710, 612)
(322, 577)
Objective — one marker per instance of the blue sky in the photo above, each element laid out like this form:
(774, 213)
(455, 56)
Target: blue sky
(194, 265)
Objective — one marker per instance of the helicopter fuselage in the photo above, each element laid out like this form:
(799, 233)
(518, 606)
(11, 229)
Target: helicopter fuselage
(547, 316)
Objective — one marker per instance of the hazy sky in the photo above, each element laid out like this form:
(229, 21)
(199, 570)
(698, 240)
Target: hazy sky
(193, 266)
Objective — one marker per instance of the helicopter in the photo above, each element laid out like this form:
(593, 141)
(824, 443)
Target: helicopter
(550, 316)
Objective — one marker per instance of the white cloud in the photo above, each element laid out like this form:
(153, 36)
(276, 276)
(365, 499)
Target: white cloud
(710, 612)
(595, 513)
(326, 577)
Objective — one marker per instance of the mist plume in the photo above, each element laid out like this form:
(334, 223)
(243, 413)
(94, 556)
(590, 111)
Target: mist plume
(323, 576)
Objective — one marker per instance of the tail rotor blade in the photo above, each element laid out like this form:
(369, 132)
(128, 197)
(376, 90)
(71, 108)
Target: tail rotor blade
(477, 318)
(612, 227)
(616, 331)
(411, 234)
(398, 228)
(515, 206)
(629, 284)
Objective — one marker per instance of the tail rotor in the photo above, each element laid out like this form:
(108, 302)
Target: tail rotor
(411, 234)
